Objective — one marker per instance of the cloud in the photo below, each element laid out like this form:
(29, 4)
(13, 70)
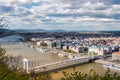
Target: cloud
(25, 1)
(4, 8)
(52, 14)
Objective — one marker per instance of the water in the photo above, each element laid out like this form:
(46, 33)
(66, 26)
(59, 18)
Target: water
(46, 58)
(32, 55)
(15, 48)
(85, 68)
(39, 58)
(12, 38)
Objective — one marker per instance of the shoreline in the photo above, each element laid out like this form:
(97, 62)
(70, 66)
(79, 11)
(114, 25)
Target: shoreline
(107, 62)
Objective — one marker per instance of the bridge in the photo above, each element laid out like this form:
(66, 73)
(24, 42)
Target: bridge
(60, 64)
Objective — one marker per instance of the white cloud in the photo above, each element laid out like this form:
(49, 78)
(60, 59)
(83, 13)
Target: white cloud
(87, 18)
(60, 12)
(25, 1)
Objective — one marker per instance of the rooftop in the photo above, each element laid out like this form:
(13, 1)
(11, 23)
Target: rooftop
(116, 53)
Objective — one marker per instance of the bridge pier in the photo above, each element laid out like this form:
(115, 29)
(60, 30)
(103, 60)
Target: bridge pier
(25, 64)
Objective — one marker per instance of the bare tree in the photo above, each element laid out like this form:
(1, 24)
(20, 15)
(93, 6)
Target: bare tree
(14, 62)
(3, 23)
(2, 55)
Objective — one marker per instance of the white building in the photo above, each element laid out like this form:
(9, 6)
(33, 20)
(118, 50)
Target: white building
(38, 43)
(77, 49)
(98, 50)
(116, 56)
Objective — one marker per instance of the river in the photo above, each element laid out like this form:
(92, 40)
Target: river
(84, 68)
(45, 58)
(32, 54)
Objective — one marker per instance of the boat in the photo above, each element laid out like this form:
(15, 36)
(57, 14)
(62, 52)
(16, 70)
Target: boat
(112, 67)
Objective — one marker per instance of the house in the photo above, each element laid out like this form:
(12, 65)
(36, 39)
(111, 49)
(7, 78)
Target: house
(100, 50)
(80, 50)
(77, 49)
(64, 46)
(116, 56)
(95, 49)
(38, 43)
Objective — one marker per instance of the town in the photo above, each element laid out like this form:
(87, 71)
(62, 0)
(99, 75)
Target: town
(76, 44)
(59, 39)
(56, 51)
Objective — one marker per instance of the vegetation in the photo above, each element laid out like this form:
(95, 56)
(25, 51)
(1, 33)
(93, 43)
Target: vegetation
(85, 54)
(1, 22)
(54, 44)
(9, 69)
(91, 76)
(44, 45)
(5, 72)
(32, 42)
(70, 51)
(116, 61)
(86, 50)
(4, 29)
(40, 76)
(13, 74)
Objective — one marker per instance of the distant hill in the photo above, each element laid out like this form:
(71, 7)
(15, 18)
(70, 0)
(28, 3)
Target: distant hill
(29, 30)
(36, 30)
(58, 30)
(5, 32)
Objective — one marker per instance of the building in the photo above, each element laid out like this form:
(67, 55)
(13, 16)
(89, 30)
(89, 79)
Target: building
(77, 49)
(65, 47)
(38, 43)
(80, 50)
(116, 56)
(100, 50)
(95, 49)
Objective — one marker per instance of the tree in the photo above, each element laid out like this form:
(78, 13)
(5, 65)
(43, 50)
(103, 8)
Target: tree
(91, 76)
(4, 27)
(14, 62)
(10, 69)
(2, 53)
(5, 72)
(40, 76)
(2, 23)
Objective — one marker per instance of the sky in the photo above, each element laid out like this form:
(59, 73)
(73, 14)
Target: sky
(61, 14)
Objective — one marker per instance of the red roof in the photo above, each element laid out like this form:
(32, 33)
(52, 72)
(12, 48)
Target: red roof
(116, 53)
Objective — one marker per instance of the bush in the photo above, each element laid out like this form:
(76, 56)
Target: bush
(5, 73)
(91, 76)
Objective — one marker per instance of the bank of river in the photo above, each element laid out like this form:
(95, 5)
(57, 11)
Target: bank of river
(84, 68)
(46, 58)
(32, 54)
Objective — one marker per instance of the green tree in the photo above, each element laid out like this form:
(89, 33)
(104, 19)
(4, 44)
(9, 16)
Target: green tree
(91, 76)
(5, 73)
(40, 76)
